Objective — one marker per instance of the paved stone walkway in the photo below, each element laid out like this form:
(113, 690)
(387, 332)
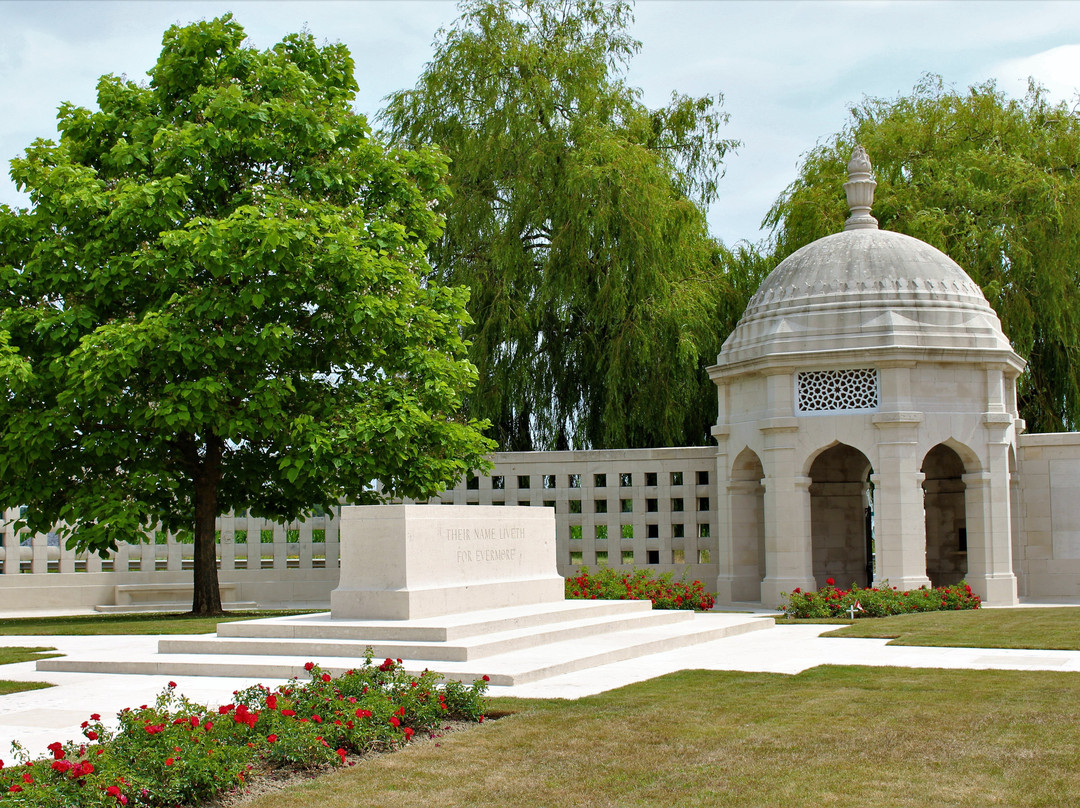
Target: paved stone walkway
(37, 718)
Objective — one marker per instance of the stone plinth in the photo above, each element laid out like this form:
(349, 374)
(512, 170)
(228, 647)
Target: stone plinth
(403, 562)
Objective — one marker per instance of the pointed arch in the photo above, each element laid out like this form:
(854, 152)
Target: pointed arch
(746, 508)
(840, 518)
(945, 509)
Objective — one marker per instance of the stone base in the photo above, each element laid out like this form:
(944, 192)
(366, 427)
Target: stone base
(995, 590)
(404, 562)
(773, 590)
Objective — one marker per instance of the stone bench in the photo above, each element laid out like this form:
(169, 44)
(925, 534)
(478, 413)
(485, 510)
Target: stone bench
(172, 597)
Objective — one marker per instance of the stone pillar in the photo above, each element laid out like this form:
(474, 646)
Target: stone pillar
(788, 556)
(989, 522)
(899, 518)
(724, 550)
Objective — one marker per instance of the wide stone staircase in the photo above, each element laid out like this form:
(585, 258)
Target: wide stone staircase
(512, 645)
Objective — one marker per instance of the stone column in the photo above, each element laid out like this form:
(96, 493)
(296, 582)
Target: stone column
(788, 556)
(899, 518)
(989, 522)
(724, 542)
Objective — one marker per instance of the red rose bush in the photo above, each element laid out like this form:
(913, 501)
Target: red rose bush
(662, 590)
(877, 601)
(176, 752)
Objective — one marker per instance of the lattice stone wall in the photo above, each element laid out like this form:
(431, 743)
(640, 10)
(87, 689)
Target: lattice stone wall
(640, 507)
(837, 390)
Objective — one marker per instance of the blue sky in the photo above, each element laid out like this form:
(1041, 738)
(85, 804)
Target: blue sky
(789, 71)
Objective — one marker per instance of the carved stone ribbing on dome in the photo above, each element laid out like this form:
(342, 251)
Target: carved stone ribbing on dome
(860, 192)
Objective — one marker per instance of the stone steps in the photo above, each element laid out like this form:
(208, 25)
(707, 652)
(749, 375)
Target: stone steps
(475, 646)
(558, 645)
(446, 628)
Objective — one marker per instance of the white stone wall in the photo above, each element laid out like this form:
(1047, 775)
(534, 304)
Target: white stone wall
(1049, 501)
(271, 564)
(652, 508)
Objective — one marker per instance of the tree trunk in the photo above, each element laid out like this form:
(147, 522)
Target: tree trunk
(207, 595)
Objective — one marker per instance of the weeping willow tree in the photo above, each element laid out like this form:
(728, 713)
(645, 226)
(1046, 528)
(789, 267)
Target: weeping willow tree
(577, 220)
(992, 181)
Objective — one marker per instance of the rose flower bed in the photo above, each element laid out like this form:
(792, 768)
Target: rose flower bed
(665, 593)
(180, 753)
(878, 601)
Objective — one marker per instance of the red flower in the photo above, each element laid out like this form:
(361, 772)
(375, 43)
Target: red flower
(363, 713)
(394, 721)
(95, 717)
(15, 789)
(486, 678)
(271, 738)
(408, 733)
(830, 581)
(172, 685)
(386, 665)
(271, 702)
(56, 749)
(326, 677)
(61, 765)
(308, 666)
(341, 754)
(169, 761)
(113, 791)
(288, 713)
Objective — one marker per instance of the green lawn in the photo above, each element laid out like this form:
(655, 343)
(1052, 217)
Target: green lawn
(1051, 628)
(128, 623)
(845, 737)
(9, 656)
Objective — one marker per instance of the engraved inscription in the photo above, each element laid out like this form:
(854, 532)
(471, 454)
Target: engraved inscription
(485, 533)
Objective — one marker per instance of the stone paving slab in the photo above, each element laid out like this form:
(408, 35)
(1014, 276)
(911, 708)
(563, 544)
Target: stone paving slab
(36, 718)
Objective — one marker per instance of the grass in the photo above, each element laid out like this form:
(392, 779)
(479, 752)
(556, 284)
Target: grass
(845, 737)
(1051, 628)
(9, 656)
(160, 623)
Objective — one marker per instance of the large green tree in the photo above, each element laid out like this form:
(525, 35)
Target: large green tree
(576, 219)
(992, 181)
(217, 300)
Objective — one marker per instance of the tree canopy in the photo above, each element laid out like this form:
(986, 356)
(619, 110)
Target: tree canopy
(219, 299)
(576, 219)
(992, 181)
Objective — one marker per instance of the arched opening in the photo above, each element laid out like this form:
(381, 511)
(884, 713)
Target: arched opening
(840, 523)
(946, 516)
(746, 497)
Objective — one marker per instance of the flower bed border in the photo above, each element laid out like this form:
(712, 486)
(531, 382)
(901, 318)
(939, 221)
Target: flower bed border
(881, 601)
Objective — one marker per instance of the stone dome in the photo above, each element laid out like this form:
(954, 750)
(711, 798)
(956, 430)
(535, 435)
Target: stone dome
(866, 290)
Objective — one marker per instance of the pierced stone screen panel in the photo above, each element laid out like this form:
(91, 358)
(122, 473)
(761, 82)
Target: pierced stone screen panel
(837, 390)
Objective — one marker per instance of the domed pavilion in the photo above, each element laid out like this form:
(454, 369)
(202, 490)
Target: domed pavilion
(867, 421)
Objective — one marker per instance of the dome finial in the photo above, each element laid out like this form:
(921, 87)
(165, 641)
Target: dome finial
(860, 192)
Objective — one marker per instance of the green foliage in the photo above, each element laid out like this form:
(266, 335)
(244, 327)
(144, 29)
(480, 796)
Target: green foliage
(991, 181)
(664, 592)
(179, 752)
(878, 601)
(575, 219)
(219, 299)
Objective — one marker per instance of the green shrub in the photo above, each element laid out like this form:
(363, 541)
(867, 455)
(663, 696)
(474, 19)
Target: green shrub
(877, 601)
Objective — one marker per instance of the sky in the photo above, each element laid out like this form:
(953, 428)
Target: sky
(789, 72)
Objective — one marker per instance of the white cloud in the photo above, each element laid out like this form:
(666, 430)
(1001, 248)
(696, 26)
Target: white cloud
(1056, 69)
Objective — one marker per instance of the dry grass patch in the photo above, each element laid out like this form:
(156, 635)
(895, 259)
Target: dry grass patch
(1051, 628)
(836, 736)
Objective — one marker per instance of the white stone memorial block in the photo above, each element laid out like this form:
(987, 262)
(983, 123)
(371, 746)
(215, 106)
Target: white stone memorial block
(403, 562)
